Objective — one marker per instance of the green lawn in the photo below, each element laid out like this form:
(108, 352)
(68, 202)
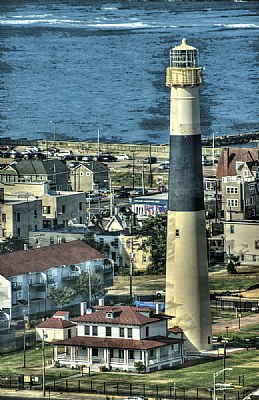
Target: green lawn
(189, 376)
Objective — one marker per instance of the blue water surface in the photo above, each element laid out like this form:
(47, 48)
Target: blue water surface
(89, 65)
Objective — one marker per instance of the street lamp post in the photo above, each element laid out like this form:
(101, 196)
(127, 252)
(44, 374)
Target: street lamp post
(215, 375)
(55, 129)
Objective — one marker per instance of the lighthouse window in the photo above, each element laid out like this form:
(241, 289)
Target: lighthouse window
(177, 233)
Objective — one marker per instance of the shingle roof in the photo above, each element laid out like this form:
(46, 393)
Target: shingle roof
(55, 323)
(44, 258)
(227, 161)
(115, 343)
(123, 315)
(40, 167)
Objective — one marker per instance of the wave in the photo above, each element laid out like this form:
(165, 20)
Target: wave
(124, 25)
(82, 24)
(239, 26)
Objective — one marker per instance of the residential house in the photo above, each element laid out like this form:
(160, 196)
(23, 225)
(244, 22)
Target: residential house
(57, 209)
(58, 327)
(240, 193)
(125, 248)
(55, 172)
(27, 276)
(231, 157)
(89, 177)
(115, 337)
(242, 241)
(19, 215)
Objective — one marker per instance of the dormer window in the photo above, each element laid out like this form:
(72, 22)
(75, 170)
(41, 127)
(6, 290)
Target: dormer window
(109, 315)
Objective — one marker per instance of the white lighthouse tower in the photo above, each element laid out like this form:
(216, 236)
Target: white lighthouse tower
(187, 286)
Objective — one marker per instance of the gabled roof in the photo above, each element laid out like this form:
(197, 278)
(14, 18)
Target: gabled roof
(40, 167)
(122, 315)
(44, 258)
(116, 343)
(55, 323)
(229, 157)
(94, 166)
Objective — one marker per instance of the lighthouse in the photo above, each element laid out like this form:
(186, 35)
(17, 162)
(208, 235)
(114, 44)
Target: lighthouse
(187, 283)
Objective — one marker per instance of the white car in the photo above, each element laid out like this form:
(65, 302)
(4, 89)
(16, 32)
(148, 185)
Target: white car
(160, 293)
(121, 157)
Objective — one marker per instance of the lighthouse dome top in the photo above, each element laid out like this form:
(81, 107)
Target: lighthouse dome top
(184, 56)
(184, 46)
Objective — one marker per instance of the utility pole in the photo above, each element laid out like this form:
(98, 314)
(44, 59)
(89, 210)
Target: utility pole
(133, 170)
(150, 168)
(43, 365)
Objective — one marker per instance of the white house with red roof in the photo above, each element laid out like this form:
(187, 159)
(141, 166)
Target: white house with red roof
(115, 337)
(27, 276)
(56, 328)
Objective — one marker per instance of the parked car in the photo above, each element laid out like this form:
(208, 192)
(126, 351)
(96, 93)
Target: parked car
(93, 197)
(124, 156)
(160, 293)
(141, 191)
(106, 157)
(164, 165)
(122, 195)
(150, 160)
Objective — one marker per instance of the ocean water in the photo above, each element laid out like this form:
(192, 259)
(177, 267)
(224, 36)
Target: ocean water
(71, 68)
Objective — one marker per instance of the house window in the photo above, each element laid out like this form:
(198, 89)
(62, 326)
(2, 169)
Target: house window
(242, 257)
(35, 227)
(232, 229)
(128, 243)
(232, 189)
(18, 217)
(232, 202)
(121, 332)
(95, 330)
(256, 244)
(51, 240)
(151, 352)
(108, 331)
(80, 206)
(18, 231)
(63, 209)
(101, 241)
(129, 332)
(147, 331)
(121, 354)
(116, 242)
(69, 333)
(177, 233)
(35, 214)
(3, 217)
(87, 330)
(144, 259)
(46, 210)
(251, 187)
(95, 352)
(4, 232)
(254, 258)
(131, 354)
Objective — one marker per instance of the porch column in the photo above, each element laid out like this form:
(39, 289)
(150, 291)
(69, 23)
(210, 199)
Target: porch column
(126, 357)
(73, 353)
(106, 356)
(55, 355)
(90, 358)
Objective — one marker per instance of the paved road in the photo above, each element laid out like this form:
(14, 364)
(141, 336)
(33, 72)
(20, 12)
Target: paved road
(233, 325)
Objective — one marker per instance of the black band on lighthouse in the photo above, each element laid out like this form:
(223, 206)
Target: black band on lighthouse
(185, 176)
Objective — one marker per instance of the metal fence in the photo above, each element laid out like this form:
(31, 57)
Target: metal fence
(116, 388)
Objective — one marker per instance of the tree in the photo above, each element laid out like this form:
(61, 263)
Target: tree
(233, 262)
(102, 247)
(155, 229)
(84, 282)
(59, 296)
(11, 245)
